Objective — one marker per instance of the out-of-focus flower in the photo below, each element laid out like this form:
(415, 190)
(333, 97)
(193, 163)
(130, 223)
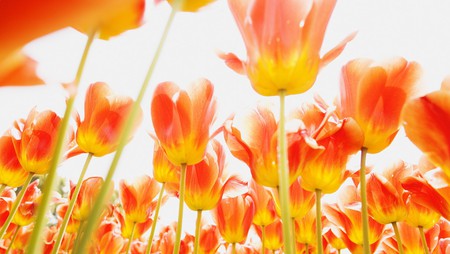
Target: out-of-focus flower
(251, 136)
(265, 212)
(167, 239)
(374, 95)
(182, 120)
(18, 70)
(22, 238)
(138, 199)
(126, 225)
(432, 190)
(11, 172)
(26, 212)
(301, 201)
(87, 197)
(35, 139)
(283, 41)
(73, 224)
(189, 5)
(410, 243)
(425, 121)
(334, 237)
(209, 239)
(273, 238)
(385, 194)
(105, 114)
(323, 166)
(305, 229)
(346, 214)
(234, 226)
(206, 181)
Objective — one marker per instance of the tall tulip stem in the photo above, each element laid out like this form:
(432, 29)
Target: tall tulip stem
(35, 244)
(16, 232)
(398, 238)
(197, 230)
(263, 238)
(364, 213)
(283, 176)
(155, 220)
(133, 229)
(73, 199)
(16, 205)
(127, 129)
(424, 241)
(180, 209)
(319, 221)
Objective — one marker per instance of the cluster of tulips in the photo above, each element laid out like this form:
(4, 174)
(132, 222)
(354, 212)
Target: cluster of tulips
(293, 160)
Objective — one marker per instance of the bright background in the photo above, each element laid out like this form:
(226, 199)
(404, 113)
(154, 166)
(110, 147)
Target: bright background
(416, 30)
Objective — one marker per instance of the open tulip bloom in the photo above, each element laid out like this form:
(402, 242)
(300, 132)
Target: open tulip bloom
(258, 180)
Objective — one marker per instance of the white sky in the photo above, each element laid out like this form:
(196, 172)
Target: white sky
(416, 30)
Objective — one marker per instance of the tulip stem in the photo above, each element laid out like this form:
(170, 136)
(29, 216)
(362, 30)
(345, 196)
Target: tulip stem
(233, 248)
(35, 244)
(155, 220)
(283, 176)
(263, 238)
(2, 188)
(197, 230)
(424, 241)
(16, 232)
(306, 248)
(73, 199)
(180, 209)
(16, 205)
(131, 238)
(398, 238)
(319, 221)
(123, 140)
(364, 213)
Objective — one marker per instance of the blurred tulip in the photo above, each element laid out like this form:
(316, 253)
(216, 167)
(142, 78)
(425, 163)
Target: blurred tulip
(27, 209)
(105, 114)
(18, 70)
(182, 120)
(425, 121)
(138, 199)
(234, 216)
(35, 139)
(374, 95)
(301, 201)
(189, 5)
(11, 172)
(305, 229)
(209, 239)
(87, 197)
(265, 212)
(73, 224)
(283, 41)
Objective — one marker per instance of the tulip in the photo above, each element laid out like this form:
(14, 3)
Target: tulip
(189, 5)
(87, 197)
(11, 172)
(26, 212)
(283, 41)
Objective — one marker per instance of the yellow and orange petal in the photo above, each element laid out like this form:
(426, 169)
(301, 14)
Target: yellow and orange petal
(137, 198)
(11, 172)
(265, 212)
(27, 210)
(425, 122)
(374, 94)
(190, 5)
(209, 239)
(18, 70)
(182, 120)
(87, 197)
(163, 170)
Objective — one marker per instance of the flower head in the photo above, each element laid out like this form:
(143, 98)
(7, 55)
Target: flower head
(283, 41)
(11, 172)
(182, 120)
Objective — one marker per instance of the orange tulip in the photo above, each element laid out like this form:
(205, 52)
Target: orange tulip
(163, 170)
(374, 95)
(385, 194)
(72, 226)
(273, 238)
(105, 114)
(85, 201)
(301, 201)
(252, 137)
(209, 239)
(34, 140)
(432, 190)
(206, 182)
(283, 41)
(234, 216)
(419, 215)
(426, 120)
(323, 166)
(265, 212)
(27, 210)
(305, 229)
(334, 237)
(138, 198)
(182, 120)
(18, 70)
(346, 214)
(126, 225)
(21, 241)
(190, 5)
(11, 172)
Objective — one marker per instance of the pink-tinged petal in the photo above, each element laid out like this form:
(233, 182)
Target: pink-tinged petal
(233, 62)
(336, 51)
(239, 9)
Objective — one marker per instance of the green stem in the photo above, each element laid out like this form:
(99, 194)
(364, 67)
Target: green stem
(398, 238)
(80, 231)
(101, 199)
(73, 200)
(424, 241)
(197, 230)
(35, 245)
(155, 220)
(319, 221)
(131, 238)
(364, 213)
(16, 232)
(16, 205)
(233, 248)
(339, 251)
(263, 238)
(283, 175)
(306, 248)
(2, 188)
(180, 209)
